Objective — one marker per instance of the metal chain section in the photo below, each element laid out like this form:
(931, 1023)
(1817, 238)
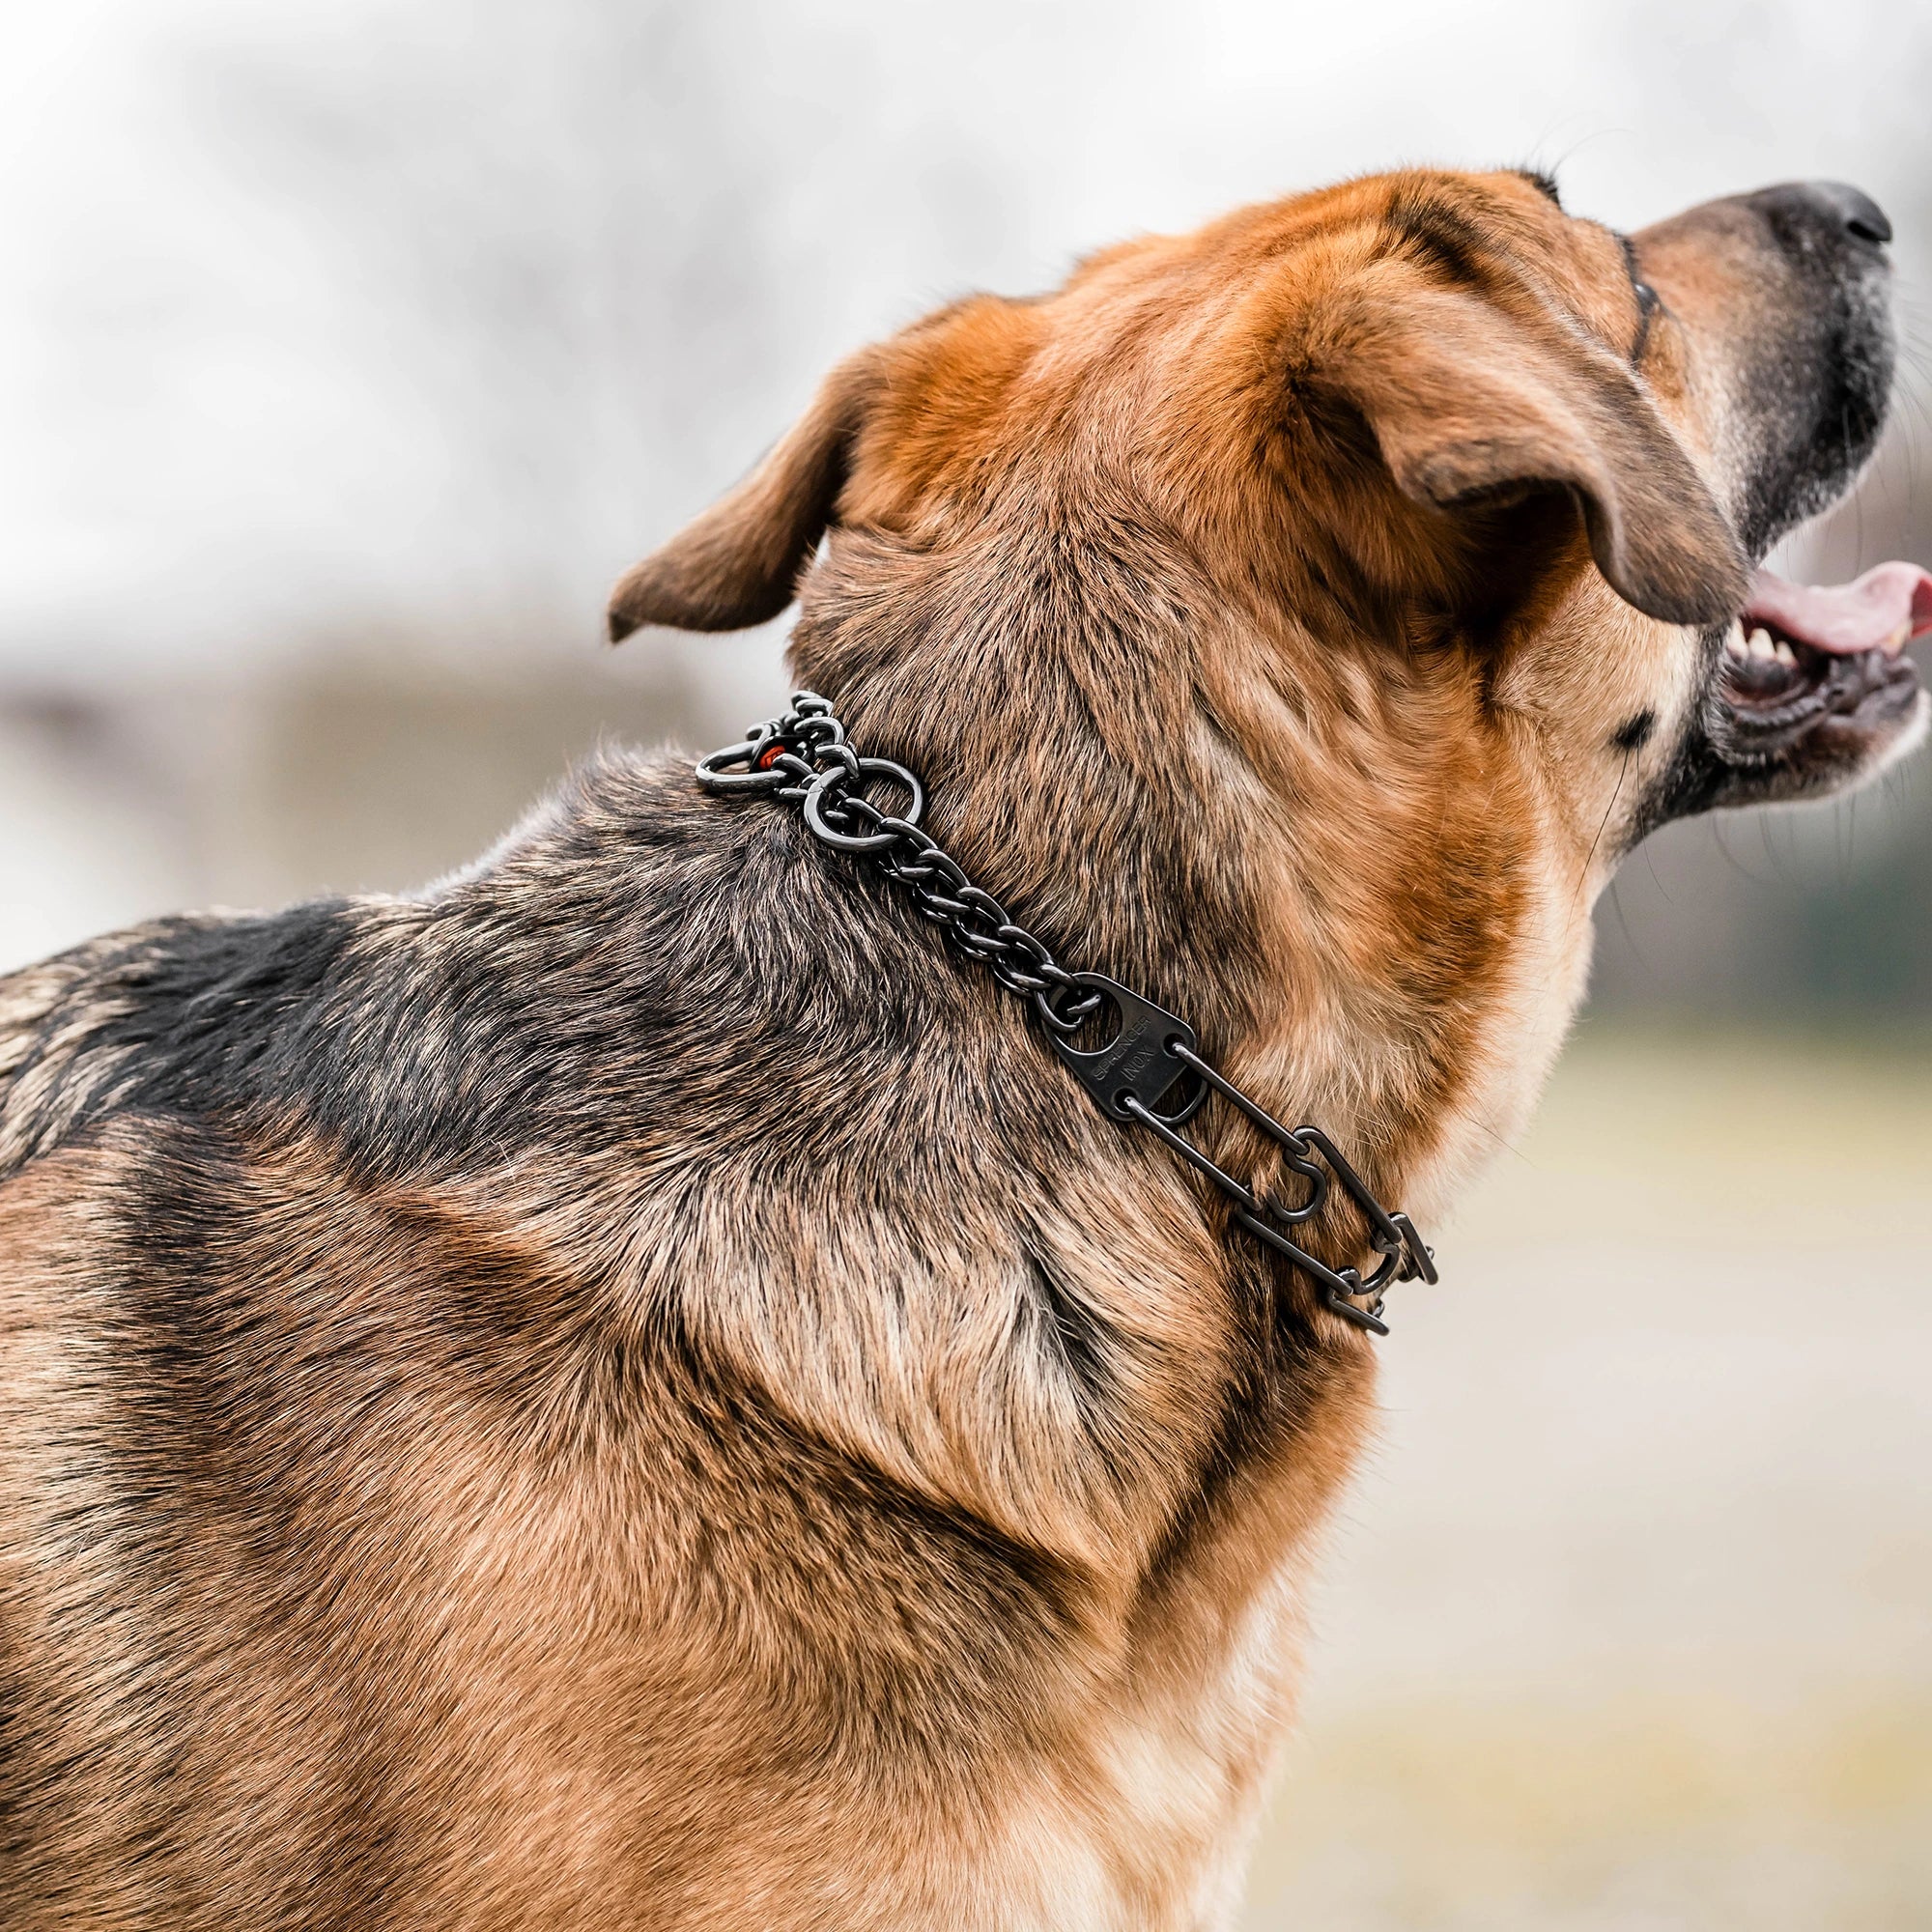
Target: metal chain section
(1150, 1056)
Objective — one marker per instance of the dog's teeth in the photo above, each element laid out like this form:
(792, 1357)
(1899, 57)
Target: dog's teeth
(1734, 644)
(1760, 645)
(1785, 655)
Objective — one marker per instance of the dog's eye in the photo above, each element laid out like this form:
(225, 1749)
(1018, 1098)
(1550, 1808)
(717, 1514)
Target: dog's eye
(1646, 299)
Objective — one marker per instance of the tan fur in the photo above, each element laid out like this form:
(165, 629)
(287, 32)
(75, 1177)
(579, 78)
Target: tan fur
(449, 1481)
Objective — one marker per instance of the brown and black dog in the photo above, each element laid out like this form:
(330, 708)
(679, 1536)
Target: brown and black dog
(629, 1389)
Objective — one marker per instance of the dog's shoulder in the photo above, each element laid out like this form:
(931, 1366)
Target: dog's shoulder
(300, 1010)
(627, 936)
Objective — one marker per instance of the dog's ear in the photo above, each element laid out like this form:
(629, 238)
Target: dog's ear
(1470, 404)
(738, 563)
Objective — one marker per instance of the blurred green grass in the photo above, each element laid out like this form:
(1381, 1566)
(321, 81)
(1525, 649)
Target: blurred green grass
(1625, 1626)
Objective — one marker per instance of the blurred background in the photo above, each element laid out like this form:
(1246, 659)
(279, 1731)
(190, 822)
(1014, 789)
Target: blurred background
(348, 350)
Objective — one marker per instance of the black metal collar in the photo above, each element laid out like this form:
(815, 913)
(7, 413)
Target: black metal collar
(1150, 1056)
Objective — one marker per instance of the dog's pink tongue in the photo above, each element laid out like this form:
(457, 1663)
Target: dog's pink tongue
(1883, 608)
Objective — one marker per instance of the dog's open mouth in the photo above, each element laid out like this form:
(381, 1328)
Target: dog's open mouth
(1824, 659)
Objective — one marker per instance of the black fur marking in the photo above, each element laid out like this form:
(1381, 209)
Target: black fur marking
(1543, 182)
(1634, 733)
(214, 1008)
(1442, 236)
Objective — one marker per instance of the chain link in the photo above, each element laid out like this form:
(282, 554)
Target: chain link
(804, 758)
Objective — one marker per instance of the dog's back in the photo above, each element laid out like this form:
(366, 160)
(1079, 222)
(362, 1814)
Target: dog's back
(449, 1477)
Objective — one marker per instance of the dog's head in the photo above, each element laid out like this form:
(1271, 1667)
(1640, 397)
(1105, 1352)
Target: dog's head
(1421, 417)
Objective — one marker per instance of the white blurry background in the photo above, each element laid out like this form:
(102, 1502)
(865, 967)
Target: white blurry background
(348, 350)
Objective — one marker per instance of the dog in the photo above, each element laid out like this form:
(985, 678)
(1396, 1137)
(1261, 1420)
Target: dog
(631, 1389)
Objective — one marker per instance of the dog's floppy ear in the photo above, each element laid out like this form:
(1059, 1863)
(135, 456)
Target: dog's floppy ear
(1470, 404)
(738, 563)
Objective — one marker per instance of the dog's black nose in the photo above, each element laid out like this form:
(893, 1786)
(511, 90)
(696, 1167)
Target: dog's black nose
(1858, 214)
(1814, 210)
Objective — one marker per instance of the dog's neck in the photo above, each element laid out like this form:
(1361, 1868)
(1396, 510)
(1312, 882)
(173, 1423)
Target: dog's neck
(1223, 813)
